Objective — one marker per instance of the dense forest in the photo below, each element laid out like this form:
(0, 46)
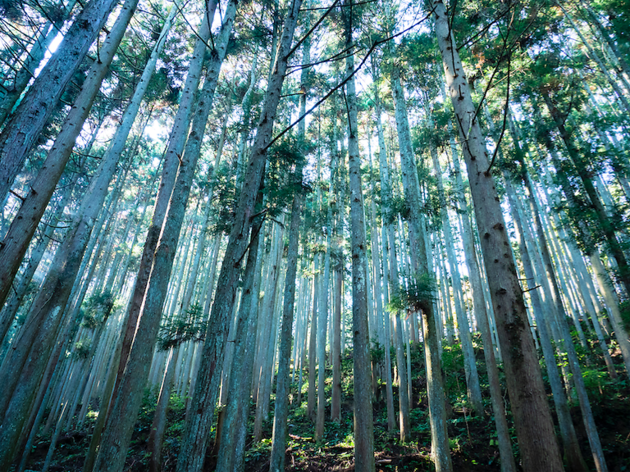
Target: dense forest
(310, 235)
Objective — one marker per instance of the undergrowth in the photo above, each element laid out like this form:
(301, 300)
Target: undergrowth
(473, 438)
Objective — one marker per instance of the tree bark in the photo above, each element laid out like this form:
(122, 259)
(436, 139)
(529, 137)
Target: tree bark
(479, 305)
(22, 130)
(127, 400)
(363, 422)
(206, 390)
(279, 439)
(470, 367)
(25, 222)
(534, 426)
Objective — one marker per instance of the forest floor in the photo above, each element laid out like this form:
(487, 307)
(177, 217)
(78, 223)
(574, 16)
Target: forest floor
(472, 438)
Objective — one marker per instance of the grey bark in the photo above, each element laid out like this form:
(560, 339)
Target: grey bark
(573, 455)
(386, 196)
(25, 223)
(279, 439)
(206, 390)
(32, 61)
(363, 422)
(22, 130)
(121, 420)
(479, 306)
(470, 367)
(534, 425)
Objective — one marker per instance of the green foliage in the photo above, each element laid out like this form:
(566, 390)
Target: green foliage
(82, 348)
(418, 295)
(377, 353)
(453, 368)
(624, 308)
(97, 309)
(596, 381)
(286, 159)
(11, 9)
(188, 326)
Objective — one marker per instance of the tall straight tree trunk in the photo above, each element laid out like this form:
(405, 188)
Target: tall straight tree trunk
(22, 371)
(279, 439)
(479, 306)
(420, 267)
(312, 343)
(363, 422)
(386, 196)
(122, 417)
(322, 333)
(378, 284)
(25, 222)
(572, 453)
(10, 308)
(406, 155)
(22, 130)
(470, 367)
(333, 233)
(236, 412)
(582, 167)
(534, 426)
(267, 340)
(33, 60)
(176, 142)
(204, 398)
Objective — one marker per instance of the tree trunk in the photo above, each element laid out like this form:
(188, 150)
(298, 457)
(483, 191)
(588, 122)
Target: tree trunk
(534, 426)
(10, 308)
(25, 223)
(479, 306)
(386, 197)
(312, 345)
(206, 390)
(470, 367)
(606, 225)
(363, 422)
(128, 398)
(235, 414)
(176, 142)
(32, 62)
(40, 101)
(279, 439)
(572, 453)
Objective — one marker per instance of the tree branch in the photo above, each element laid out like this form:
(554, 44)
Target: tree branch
(505, 114)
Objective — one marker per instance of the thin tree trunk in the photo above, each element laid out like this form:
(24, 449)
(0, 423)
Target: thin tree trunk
(312, 346)
(572, 453)
(481, 315)
(33, 60)
(176, 142)
(235, 414)
(279, 440)
(25, 223)
(470, 367)
(386, 197)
